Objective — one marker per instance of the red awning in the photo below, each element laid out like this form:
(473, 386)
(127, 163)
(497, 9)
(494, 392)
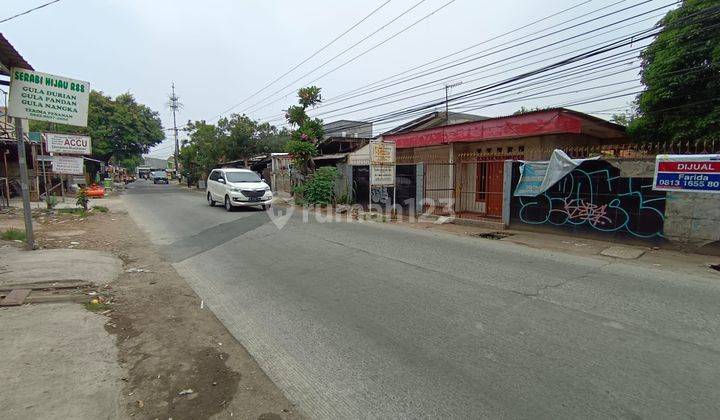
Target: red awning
(555, 121)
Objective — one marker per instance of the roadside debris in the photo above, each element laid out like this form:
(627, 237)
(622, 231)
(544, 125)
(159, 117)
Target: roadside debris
(137, 270)
(493, 235)
(342, 209)
(186, 391)
(443, 220)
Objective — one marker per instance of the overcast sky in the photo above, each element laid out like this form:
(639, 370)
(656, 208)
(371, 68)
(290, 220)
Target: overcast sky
(219, 52)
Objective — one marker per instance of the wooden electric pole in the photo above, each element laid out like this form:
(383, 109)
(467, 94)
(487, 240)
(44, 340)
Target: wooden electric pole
(175, 105)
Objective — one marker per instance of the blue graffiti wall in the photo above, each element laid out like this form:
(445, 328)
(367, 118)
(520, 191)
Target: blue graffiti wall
(594, 198)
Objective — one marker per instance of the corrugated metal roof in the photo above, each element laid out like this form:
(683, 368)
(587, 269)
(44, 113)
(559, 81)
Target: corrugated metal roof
(9, 56)
(335, 156)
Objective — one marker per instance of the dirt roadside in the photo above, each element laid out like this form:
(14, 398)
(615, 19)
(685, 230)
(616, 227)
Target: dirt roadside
(181, 361)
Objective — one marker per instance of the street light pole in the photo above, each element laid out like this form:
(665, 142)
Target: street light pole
(175, 105)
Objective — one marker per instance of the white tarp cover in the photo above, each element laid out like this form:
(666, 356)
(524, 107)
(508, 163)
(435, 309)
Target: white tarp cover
(538, 177)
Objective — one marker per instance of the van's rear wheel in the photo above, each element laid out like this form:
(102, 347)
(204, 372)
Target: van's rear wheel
(210, 200)
(228, 206)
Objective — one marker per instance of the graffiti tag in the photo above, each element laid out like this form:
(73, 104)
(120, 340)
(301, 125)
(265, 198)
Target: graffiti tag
(593, 195)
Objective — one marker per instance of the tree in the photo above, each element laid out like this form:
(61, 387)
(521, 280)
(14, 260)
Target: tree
(303, 140)
(236, 137)
(204, 149)
(680, 73)
(121, 129)
(621, 119)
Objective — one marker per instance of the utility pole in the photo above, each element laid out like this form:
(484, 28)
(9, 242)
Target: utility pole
(447, 88)
(22, 163)
(175, 105)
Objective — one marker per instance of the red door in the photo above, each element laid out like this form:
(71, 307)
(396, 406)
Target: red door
(494, 194)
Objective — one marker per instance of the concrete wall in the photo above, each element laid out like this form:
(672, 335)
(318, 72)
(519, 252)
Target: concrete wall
(692, 218)
(688, 218)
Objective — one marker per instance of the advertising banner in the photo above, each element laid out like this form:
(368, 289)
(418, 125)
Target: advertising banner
(68, 143)
(691, 173)
(67, 165)
(45, 97)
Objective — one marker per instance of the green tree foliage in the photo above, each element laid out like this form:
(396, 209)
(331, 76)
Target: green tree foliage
(621, 119)
(681, 102)
(82, 199)
(121, 129)
(304, 138)
(236, 137)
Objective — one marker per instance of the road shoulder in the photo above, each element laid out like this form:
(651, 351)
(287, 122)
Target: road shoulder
(177, 360)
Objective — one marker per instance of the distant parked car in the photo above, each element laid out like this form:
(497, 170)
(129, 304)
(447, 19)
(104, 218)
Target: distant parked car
(237, 187)
(159, 177)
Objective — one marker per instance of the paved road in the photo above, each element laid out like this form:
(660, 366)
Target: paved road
(359, 320)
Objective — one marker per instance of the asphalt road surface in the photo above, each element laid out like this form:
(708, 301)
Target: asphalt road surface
(362, 320)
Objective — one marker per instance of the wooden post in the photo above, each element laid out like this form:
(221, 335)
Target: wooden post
(7, 178)
(22, 163)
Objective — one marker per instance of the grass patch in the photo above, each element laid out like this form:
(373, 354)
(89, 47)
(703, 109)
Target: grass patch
(101, 209)
(79, 211)
(13, 235)
(97, 307)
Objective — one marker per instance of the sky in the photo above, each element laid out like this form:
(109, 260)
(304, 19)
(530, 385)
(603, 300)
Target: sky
(220, 52)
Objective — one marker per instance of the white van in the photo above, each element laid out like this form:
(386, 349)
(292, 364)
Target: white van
(237, 188)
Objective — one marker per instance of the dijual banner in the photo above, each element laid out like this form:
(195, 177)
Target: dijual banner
(691, 173)
(538, 177)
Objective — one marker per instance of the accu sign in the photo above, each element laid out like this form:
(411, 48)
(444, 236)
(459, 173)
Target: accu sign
(68, 143)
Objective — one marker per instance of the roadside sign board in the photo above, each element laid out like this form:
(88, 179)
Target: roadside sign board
(382, 152)
(46, 97)
(382, 175)
(67, 165)
(68, 143)
(690, 173)
(382, 162)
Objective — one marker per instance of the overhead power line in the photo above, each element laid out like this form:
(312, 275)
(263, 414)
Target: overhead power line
(511, 41)
(408, 112)
(323, 48)
(518, 43)
(434, 85)
(495, 64)
(522, 41)
(28, 11)
(411, 8)
(512, 31)
(252, 107)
